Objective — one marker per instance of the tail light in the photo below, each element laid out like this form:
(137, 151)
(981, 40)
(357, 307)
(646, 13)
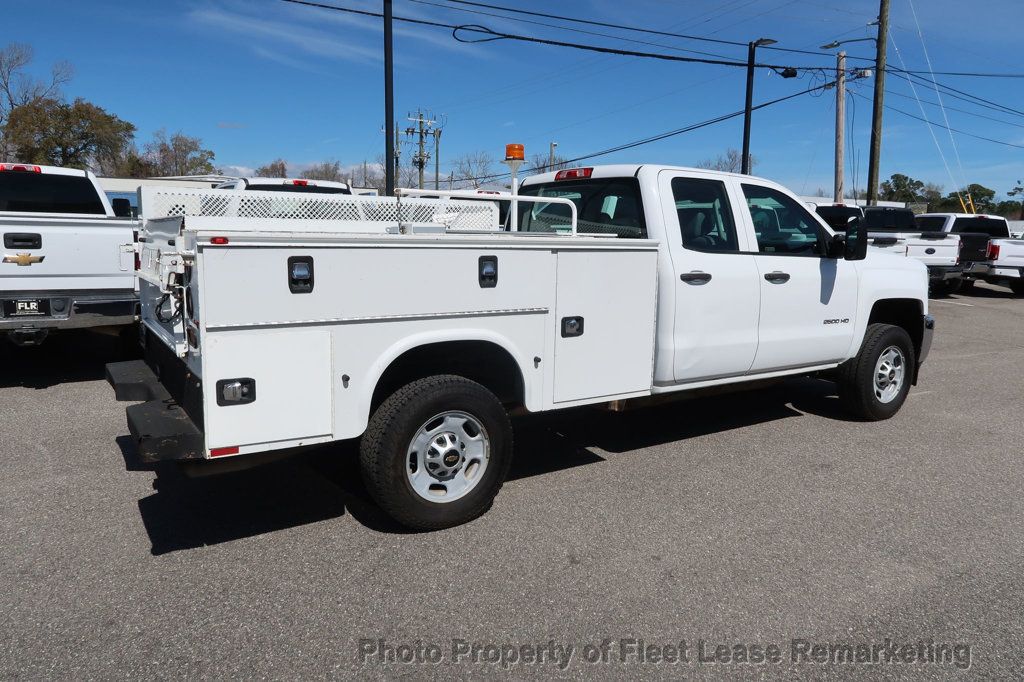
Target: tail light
(574, 173)
(20, 167)
(219, 241)
(138, 257)
(992, 253)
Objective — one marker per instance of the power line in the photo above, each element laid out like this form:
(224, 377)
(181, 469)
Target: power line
(662, 136)
(977, 137)
(492, 35)
(636, 29)
(893, 93)
(958, 94)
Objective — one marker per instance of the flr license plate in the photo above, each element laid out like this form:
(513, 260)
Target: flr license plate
(27, 307)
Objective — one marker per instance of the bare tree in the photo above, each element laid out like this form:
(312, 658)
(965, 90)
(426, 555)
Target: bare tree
(179, 155)
(731, 162)
(471, 169)
(275, 169)
(328, 170)
(17, 88)
(541, 163)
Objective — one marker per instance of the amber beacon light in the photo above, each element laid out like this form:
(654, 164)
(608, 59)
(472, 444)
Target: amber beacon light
(515, 152)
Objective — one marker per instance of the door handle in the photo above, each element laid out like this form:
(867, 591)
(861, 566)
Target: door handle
(696, 277)
(777, 277)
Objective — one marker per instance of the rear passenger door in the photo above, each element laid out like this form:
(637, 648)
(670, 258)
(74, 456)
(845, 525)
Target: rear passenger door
(715, 279)
(808, 302)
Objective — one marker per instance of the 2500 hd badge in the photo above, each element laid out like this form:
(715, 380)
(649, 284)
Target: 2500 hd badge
(837, 320)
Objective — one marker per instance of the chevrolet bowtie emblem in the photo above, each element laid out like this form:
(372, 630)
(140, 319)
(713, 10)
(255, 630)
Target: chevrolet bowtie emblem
(23, 259)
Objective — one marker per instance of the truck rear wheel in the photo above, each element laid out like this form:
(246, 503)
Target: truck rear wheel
(436, 452)
(1017, 286)
(874, 384)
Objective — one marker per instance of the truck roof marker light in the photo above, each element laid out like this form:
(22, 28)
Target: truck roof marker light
(221, 452)
(20, 167)
(219, 241)
(300, 183)
(515, 152)
(574, 173)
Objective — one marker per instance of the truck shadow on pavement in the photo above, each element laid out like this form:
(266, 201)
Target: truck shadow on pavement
(64, 357)
(324, 483)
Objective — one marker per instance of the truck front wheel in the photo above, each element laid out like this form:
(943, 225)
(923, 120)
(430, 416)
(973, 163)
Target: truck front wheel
(874, 384)
(436, 452)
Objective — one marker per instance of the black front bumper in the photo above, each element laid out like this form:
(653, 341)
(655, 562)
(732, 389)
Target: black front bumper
(161, 427)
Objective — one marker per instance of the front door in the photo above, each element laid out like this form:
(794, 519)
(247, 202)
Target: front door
(808, 301)
(715, 280)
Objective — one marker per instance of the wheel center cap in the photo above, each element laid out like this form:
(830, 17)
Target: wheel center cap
(451, 459)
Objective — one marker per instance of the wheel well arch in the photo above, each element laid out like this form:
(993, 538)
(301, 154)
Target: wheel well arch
(901, 312)
(484, 362)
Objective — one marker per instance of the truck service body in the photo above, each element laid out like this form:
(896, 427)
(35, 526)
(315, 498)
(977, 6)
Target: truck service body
(417, 323)
(68, 261)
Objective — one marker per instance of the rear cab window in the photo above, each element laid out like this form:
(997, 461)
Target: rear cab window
(889, 219)
(932, 223)
(705, 216)
(995, 228)
(302, 189)
(610, 206)
(29, 192)
(837, 217)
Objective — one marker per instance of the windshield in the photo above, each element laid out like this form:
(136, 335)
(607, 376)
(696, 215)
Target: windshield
(48, 193)
(837, 217)
(884, 219)
(604, 206)
(934, 223)
(993, 227)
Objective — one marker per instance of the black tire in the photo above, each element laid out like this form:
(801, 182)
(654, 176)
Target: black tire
(384, 450)
(967, 286)
(856, 378)
(1017, 286)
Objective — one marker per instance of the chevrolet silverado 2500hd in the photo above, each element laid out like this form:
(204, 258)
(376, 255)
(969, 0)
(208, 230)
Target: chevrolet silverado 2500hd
(68, 260)
(417, 324)
(1002, 260)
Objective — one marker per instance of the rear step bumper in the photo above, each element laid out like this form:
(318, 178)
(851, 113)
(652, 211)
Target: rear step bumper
(160, 428)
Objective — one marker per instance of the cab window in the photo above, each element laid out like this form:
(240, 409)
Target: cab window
(608, 206)
(782, 225)
(705, 218)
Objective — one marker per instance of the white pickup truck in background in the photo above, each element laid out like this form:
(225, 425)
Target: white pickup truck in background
(1003, 262)
(418, 324)
(895, 230)
(68, 260)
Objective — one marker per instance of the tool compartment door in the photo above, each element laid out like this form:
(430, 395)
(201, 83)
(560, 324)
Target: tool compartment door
(615, 294)
(292, 373)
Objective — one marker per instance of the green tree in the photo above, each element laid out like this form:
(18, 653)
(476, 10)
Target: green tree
(901, 187)
(275, 169)
(179, 154)
(1018, 191)
(77, 135)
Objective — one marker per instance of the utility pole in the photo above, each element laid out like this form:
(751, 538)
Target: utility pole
(424, 128)
(437, 158)
(840, 124)
(389, 105)
(748, 109)
(876, 112)
(551, 156)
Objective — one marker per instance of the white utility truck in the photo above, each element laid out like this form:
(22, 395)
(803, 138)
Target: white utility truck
(68, 259)
(418, 324)
(1003, 259)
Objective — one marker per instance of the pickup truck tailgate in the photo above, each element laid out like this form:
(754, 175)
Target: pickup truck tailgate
(66, 254)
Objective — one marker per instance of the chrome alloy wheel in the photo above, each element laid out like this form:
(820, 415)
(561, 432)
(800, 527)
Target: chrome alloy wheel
(890, 373)
(448, 456)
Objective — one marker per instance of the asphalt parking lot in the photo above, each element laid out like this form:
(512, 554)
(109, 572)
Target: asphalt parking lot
(763, 518)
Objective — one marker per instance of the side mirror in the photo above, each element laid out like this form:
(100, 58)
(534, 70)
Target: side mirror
(855, 242)
(122, 208)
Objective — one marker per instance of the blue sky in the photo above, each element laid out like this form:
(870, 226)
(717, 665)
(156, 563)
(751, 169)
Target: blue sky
(261, 79)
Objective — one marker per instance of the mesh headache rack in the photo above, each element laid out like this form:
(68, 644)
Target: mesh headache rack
(443, 211)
